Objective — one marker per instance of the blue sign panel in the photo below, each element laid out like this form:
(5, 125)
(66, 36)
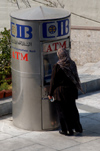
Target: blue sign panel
(21, 31)
(55, 29)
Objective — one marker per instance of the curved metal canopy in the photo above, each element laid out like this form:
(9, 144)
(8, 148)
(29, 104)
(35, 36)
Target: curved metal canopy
(40, 13)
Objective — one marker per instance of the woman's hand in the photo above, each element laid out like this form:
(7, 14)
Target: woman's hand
(49, 97)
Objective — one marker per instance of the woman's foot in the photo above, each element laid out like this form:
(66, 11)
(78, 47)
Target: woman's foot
(78, 128)
(68, 133)
(63, 132)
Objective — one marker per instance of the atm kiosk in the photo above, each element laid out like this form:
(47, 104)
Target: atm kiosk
(36, 35)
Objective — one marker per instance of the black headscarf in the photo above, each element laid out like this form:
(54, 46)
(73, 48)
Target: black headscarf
(69, 67)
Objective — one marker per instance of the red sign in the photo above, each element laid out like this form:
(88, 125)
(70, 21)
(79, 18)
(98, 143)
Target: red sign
(54, 46)
(19, 56)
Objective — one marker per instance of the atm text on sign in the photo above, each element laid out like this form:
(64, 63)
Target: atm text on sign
(54, 46)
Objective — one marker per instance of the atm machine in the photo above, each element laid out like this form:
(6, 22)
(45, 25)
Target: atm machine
(49, 58)
(36, 35)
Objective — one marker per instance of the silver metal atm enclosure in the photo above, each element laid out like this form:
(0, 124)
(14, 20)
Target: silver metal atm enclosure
(36, 34)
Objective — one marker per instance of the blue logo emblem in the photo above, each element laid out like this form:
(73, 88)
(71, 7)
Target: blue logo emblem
(52, 29)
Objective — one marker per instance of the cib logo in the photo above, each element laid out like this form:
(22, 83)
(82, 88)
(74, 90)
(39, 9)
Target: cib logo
(21, 31)
(55, 29)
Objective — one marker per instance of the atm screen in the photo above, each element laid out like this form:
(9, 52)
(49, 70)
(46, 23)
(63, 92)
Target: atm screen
(49, 60)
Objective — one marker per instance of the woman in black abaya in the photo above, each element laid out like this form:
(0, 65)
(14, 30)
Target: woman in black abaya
(64, 87)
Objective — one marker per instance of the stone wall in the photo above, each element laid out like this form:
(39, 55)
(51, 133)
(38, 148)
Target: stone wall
(82, 14)
(85, 45)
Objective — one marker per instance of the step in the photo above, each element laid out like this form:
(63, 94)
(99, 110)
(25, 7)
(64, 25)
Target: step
(89, 83)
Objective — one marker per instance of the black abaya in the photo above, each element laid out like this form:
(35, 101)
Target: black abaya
(65, 93)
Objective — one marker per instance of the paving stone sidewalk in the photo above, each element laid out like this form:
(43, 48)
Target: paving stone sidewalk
(15, 139)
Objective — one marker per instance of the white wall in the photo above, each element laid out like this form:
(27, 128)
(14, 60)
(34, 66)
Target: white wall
(6, 7)
(85, 46)
(86, 8)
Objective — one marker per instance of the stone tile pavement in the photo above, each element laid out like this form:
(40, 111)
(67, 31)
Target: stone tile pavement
(15, 139)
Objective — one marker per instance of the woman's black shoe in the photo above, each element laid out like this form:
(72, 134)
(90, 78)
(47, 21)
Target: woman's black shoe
(63, 133)
(70, 132)
(78, 128)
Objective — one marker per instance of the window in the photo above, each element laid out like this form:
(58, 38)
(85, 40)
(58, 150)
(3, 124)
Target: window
(48, 61)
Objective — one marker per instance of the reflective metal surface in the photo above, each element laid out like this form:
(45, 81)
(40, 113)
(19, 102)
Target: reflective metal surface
(26, 75)
(35, 41)
(40, 13)
(26, 101)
